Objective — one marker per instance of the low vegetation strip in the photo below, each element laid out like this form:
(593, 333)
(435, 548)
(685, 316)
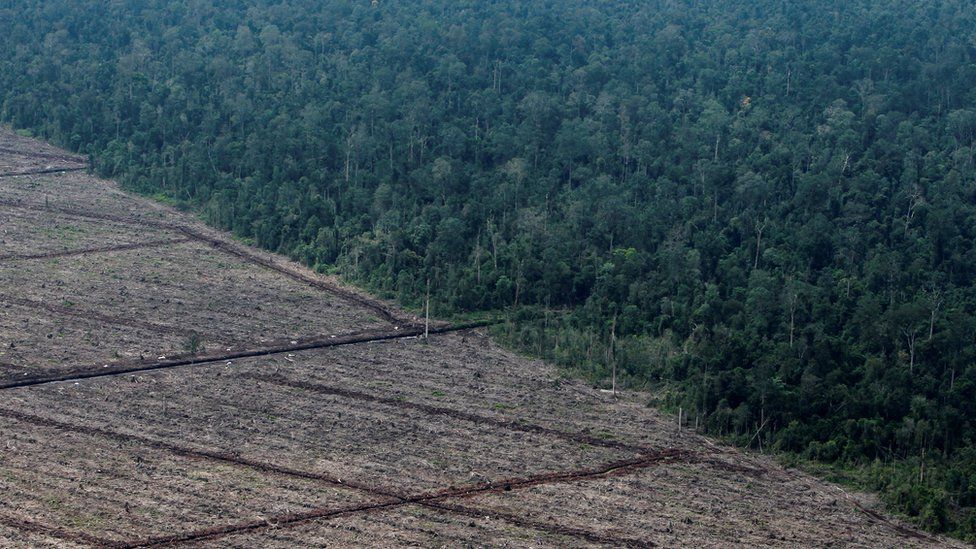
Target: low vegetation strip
(98, 249)
(511, 425)
(906, 532)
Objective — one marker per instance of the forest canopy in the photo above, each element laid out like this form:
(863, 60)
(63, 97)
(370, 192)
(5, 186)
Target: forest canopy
(765, 211)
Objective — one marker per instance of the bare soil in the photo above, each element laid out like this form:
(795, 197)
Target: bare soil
(24, 155)
(239, 302)
(163, 385)
(32, 235)
(119, 491)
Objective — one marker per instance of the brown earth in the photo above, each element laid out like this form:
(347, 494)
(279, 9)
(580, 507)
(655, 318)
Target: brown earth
(19, 155)
(163, 385)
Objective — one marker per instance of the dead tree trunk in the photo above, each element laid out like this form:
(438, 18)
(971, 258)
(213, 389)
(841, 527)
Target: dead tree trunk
(760, 227)
(935, 305)
(911, 337)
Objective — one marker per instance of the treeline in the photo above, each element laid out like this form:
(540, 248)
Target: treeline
(765, 210)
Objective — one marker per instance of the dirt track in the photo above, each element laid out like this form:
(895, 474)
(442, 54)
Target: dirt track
(178, 387)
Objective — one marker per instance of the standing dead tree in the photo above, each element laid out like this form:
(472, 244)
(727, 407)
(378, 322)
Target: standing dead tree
(911, 338)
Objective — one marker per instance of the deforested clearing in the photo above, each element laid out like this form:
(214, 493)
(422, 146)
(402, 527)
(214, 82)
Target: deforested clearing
(164, 385)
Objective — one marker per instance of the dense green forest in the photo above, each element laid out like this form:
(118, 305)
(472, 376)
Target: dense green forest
(765, 211)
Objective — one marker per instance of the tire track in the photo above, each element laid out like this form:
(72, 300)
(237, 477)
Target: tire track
(98, 249)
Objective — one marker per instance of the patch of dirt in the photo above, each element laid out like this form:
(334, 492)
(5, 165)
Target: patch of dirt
(36, 340)
(37, 235)
(19, 152)
(217, 409)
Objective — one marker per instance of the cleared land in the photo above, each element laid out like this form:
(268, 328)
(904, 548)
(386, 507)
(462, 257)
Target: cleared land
(161, 385)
